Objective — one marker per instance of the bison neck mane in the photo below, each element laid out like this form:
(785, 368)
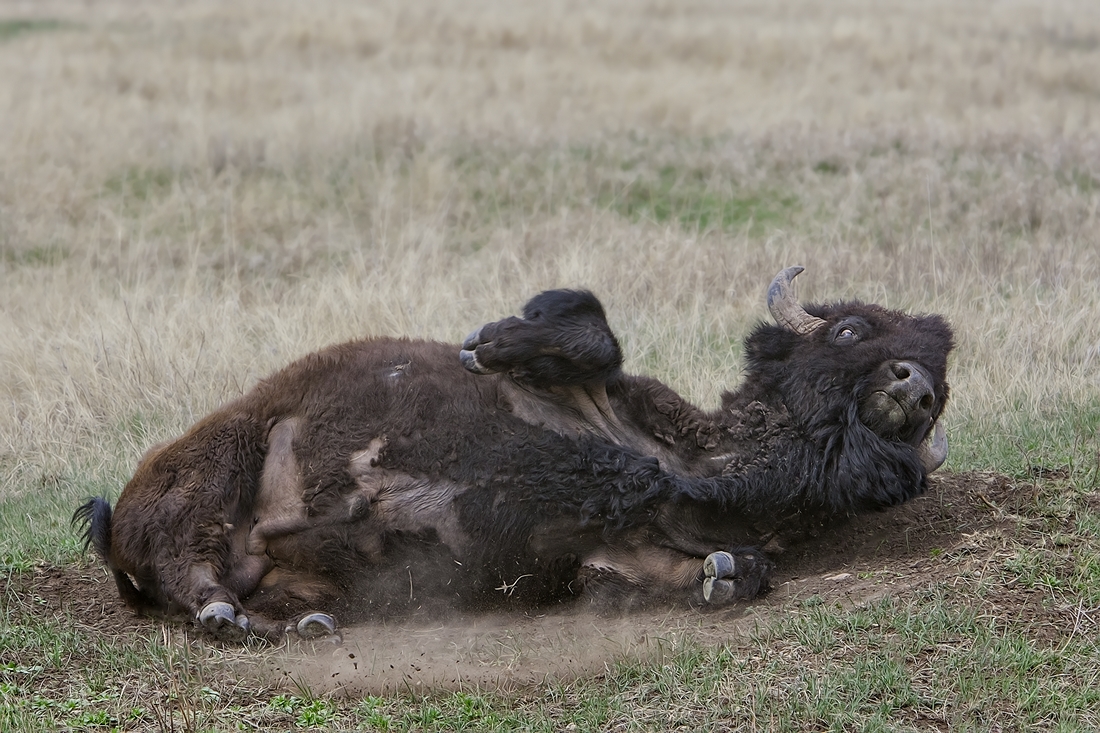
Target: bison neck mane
(788, 448)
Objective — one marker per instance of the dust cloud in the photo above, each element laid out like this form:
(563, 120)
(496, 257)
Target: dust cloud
(501, 651)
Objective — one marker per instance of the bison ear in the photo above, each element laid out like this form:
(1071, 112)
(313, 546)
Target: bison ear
(768, 344)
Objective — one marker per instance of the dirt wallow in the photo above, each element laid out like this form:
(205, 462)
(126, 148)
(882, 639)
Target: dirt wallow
(961, 523)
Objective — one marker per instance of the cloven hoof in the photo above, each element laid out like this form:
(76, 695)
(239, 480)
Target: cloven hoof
(221, 619)
(316, 626)
(717, 591)
(716, 568)
(719, 565)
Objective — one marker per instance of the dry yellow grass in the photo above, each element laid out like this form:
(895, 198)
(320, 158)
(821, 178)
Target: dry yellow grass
(191, 194)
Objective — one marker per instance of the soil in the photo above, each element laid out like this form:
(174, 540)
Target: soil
(889, 552)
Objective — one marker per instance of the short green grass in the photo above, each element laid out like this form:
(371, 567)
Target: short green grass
(939, 657)
(698, 200)
(11, 28)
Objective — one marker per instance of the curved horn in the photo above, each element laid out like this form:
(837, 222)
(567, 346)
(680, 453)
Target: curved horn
(785, 308)
(933, 452)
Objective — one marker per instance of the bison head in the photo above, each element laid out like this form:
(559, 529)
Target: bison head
(848, 369)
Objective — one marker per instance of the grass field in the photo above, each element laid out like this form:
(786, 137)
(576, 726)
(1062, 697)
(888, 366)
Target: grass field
(193, 194)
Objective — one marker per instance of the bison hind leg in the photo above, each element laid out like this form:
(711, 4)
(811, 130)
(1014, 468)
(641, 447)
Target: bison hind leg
(734, 576)
(94, 516)
(562, 339)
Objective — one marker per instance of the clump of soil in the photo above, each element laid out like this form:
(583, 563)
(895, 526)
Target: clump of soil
(870, 556)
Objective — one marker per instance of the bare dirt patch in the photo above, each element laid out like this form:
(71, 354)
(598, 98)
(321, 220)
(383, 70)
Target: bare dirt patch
(85, 596)
(903, 547)
(873, 555)
(961, 523)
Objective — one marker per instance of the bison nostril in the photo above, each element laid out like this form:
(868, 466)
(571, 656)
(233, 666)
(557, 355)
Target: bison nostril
(901, 371)
(926, 402)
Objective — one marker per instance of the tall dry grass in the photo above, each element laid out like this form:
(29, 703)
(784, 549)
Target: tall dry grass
(193, 194)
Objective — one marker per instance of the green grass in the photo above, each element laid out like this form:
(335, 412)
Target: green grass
(35, 524)
(699, 200)
(898, 661)
(11, 28)
(37, 256)
(1058, 439)
(141, 184)
(692, 193)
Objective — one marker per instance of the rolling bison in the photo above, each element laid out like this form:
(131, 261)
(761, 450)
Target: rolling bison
(522, 468)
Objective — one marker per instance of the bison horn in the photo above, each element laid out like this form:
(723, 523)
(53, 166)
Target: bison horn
(785, 308)
(934, 452)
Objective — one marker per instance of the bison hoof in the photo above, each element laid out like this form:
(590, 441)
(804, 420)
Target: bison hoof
(717, 591)
(468, 355)
(719, 565)
(316, 626)
(471, 364)
(221, 619)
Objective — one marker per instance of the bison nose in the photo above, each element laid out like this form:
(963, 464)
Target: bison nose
(912, 386)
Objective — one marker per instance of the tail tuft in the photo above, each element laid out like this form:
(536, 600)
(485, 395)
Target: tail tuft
(95, 517)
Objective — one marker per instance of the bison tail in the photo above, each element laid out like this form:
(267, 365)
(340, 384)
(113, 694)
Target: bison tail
(95, 516)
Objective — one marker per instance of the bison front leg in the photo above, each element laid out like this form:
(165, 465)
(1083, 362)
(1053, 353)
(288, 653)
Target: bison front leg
(284, 604)
(627, 576)
(729, 577)
(562, 340)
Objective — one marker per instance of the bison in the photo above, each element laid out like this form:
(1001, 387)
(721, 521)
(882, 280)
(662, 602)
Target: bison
(523, 468)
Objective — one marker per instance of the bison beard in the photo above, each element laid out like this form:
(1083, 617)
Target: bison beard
(522, 468)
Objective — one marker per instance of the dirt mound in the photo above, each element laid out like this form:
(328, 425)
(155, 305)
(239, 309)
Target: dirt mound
(873, 555)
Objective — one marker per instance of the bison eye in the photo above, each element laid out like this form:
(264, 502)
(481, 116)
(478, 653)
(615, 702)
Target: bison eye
(851, 330)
